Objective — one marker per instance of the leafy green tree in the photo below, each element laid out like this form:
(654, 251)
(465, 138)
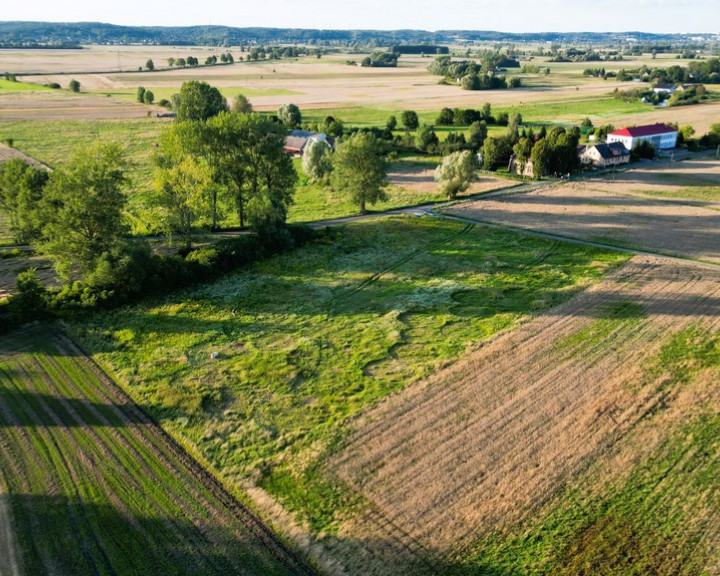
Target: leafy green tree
(465, 116)
(171, 62)
(332, 126)
(316, 160)
(141, 94)
(410, 120)
(30, 301)
(74, 86)
(360, 170)
(541, 157)
(457, 172)
(199, 101)
(290, 115)
(487, 113)
(496, 152)
(265, 215)
(21, 189)
(182, 189)
(446, 117)
(270, 171)
(643, 150)
(477, 135)
(247, 155)
(425, 139)
(687, 133)
(150, 65)
(470, 82)
(242, 105)
(523, 150)
(602, 132)
(148, 97)
(83, 209)
(391, 123)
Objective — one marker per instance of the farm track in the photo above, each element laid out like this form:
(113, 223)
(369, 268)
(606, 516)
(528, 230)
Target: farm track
(404, 259)
(69, 436)
(487, 442)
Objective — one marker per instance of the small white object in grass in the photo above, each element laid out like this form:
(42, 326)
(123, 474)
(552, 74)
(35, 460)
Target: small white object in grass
(214, 355)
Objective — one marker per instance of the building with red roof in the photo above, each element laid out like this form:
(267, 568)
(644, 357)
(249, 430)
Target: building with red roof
(660, 136)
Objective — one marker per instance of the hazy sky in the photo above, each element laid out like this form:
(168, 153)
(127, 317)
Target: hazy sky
(501, 15)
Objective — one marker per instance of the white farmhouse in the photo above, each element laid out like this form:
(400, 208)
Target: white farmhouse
(660, 136)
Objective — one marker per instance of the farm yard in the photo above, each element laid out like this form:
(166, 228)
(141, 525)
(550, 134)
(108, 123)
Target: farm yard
(670, 209)
(92, 486)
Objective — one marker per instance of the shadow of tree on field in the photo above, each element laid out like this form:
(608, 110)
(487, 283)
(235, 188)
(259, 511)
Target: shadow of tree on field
(71, 536)
(35, 409)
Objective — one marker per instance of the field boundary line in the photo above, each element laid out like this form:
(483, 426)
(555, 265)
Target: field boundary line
(579, 241)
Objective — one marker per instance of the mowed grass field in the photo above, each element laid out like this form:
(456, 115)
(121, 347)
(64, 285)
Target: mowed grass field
(89, 485)
(323, 334)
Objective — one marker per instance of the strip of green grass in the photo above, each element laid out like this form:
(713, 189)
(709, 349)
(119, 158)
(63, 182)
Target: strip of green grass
(703, 194)
(324, 333)
(9, 86)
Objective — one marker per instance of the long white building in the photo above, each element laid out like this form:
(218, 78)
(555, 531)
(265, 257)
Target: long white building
(660, 136)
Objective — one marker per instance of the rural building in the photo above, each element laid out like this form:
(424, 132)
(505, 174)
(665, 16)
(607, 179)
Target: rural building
(661, 136)
(526, 169)
(604, 155)
(664, 88)
(296, 141)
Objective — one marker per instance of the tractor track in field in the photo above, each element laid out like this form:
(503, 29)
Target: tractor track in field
(402, 261)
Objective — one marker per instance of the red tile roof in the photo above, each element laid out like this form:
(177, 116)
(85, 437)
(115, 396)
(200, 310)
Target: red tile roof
(651, 130)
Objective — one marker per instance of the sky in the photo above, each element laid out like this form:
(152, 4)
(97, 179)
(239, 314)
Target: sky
(659, 16)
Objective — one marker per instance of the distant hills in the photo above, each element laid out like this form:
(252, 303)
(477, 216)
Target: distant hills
(44, 34)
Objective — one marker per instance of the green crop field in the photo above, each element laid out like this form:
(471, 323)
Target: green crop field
(95, 488)
(323, 333)
(9, 86)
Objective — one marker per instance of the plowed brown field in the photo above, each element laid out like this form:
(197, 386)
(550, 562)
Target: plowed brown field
(620, 212)
(486, 443)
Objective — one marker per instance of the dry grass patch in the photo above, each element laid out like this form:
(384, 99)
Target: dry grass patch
(421, 179)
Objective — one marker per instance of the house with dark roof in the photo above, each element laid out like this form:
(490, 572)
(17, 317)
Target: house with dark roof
(296, 141)
(604, 155)
(661, 136)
